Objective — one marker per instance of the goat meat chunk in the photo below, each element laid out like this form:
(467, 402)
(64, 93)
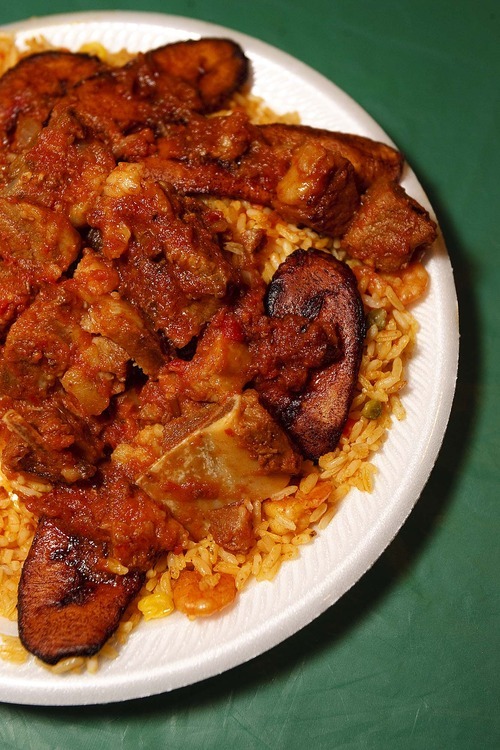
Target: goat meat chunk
(389, 228)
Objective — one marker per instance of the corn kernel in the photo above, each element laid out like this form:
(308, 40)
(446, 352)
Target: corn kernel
(156, 605)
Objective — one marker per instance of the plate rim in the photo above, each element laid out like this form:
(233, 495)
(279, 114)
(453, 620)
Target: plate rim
(62, 692)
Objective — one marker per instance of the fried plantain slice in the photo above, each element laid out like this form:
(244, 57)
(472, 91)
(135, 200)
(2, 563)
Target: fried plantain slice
(69, 605)
(322, 290)
(217, 68)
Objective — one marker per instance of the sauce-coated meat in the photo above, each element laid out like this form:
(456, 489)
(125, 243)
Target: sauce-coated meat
(64, 168)
(36, 246)
(370, 159)
(168, 256)
(309, 176)
(29, 91)
(114, 114)
(389, 228)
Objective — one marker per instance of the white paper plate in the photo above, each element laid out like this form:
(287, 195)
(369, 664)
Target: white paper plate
(166, 654)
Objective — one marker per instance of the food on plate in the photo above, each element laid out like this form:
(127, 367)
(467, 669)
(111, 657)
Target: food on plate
(389, 227)
(203, 330)
(69, 602)
(323, 290)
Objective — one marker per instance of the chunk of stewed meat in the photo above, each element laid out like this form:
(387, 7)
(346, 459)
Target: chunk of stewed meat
(389, 228)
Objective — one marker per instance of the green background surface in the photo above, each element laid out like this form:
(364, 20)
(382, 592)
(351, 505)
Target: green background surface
(410, 656)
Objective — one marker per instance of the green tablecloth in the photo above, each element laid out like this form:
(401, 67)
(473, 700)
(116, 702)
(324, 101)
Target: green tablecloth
(410, 656)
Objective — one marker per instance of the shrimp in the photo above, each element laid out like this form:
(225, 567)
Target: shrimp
(410, 283)
(196, 598)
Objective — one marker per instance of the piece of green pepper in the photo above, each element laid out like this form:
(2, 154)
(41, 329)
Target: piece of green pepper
(377, 316)
(372, 409)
